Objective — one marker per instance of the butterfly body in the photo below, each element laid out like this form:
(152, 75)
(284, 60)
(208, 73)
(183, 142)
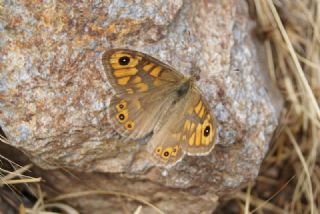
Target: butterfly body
(151, 98)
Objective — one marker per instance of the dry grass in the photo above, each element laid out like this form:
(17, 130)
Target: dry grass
(15, 176)
(43, 205)
(289, 181)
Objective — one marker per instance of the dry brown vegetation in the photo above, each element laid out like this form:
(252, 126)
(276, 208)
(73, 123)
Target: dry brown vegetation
(289, 181)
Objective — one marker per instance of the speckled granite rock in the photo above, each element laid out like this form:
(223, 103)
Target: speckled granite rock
(54, 95)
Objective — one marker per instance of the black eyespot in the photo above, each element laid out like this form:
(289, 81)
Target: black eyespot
(129, 126)
(121, 116)
(166, 154)
(121, 106)
(124, 60)
(206, 131)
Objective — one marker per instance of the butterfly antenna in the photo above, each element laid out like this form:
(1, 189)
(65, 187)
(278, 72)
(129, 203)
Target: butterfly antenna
(195, 72)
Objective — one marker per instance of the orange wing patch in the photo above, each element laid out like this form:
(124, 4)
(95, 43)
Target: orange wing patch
(192, 139)
(125, 72)
(123, 80)
(198, 107)
(148, 67)
(156, 71)
(142, 87)
(137, 79)
(152, 69)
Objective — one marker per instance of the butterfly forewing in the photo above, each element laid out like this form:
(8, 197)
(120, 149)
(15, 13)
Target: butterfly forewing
(134, 73)
(199, 126)
(143, 86)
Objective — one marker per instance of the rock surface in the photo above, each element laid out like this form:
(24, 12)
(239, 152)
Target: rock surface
(54, 95)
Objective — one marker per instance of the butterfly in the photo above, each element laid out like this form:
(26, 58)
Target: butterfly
(153, 99)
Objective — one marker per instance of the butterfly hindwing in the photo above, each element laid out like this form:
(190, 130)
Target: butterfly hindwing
(165, 144)
(192, 131)
(134, 118)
